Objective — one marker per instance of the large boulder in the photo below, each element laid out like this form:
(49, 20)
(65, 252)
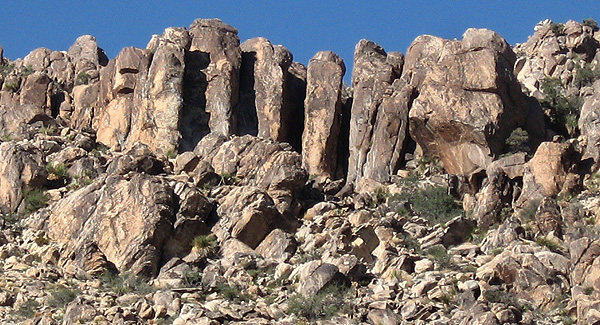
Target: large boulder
(373, 73)
(262, 163)
(221, 73)
(322, 117)
(469, 100)
(118, 220)
(35, 90)
(22, 169)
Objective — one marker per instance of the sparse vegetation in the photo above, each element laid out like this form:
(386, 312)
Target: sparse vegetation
(171, 153)
(440, 256)
(330, 301)
(550, 244)
(432, 203)
(230, 179)
(124, 283)
(528, 212)
(205, 244)
(590, 22)
(61, 296)
(557, 28)
(56, 170)
(5, 70)
(585, 75)
(562, 111)
(26, 71)
(12, 86)
(192, 278)
(82, 79)
(518, 141)
(28, 309)
(232, 293)
(34, 199)
(588, 290)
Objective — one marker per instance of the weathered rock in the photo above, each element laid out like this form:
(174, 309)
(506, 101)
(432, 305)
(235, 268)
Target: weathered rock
(373, 72)
(316, 280)
(38, 59)
(263, 84)
(469, 100)
(35, 90)
(84, 101)
(156, 122)
(125, 219)
(547, 172)
(322, 114)
(22, 169)
(390, 133)
(14, 117)
(589, 125)
(220, 41)
(86, 55)
(277, 245)
(247, 214)
(262, 163)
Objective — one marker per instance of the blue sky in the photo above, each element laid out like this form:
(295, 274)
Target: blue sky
(304, 27)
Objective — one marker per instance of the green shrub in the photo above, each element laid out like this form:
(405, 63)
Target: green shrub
(230, 179)
(518, 141)
(330, 301)
(171, 153)
(12, 86)
(529, 211)
(590, 23)
(440, 256)
(205, 244)
(380, 195)
(5, 70)
(551, 245)
(432, 203)
(563, 111)
(124, 283)
(585, 75)
(26, 71)
(62, 296)
(588, 290)
(557, 28)
(82, 79)
(35, 199)
(231, 293)
(28, 309)
(192, 278)
(58, 170)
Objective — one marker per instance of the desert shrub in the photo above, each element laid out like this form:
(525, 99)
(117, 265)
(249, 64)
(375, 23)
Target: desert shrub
(6, 69)
(518, 141)
(563, 111)
(171, 153)
(205, 244)
(432, 203)
(192, 278)
(82, 78)
(12, 86)
(35, 199)
(528, 212)
(124, 283)
(58, 170)
(232, 293)
(26, 71)
(590, 22)
(230, 179)
(585, 75)
(440, 257)
(557, 28)
(330, 301)
(550, 244)
(62, 296)
(28, 309)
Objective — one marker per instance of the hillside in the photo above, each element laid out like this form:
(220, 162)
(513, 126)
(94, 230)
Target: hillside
(205, 181)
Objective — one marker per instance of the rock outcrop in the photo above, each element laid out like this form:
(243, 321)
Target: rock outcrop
(322, 115)
(373, 73)
(468, 102)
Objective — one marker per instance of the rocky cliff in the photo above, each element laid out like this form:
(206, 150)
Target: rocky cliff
(202, 180)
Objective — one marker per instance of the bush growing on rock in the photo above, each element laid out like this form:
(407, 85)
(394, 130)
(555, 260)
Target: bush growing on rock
(432, 203)
(563, 111)
(590, 22)
(518, 141)
(35, 199)
(62, 296)
(330, 301)
(585, 75)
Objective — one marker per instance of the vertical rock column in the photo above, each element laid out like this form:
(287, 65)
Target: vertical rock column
(262, 91)
(220, 41)
(374, 71)
(155, 120)
(322, 114)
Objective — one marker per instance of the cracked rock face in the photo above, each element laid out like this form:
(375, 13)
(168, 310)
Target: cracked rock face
(468, 102)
